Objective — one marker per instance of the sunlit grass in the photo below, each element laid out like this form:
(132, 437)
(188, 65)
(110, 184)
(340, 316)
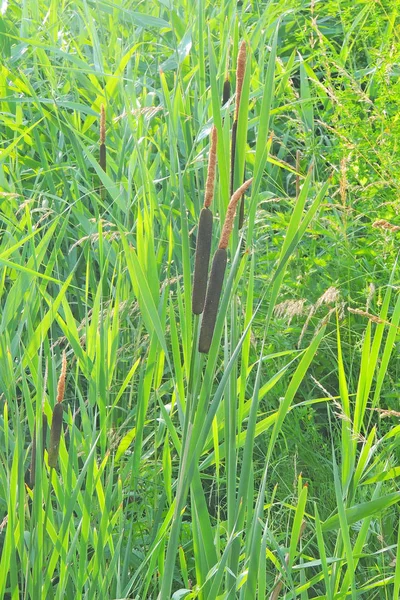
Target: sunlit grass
(265, 465)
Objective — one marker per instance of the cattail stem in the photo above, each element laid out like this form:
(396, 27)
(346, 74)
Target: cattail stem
(212, 299)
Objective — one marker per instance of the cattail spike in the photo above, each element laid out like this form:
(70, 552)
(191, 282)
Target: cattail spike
(226, 92)
(230, 213)
(240, 70)
(202, 259)
(55, 435)
(212, 299)
(212, 162)
(61, 381)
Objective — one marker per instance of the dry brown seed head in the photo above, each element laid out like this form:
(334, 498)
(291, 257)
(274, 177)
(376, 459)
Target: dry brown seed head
(102, 125)
(383, 224)
(240, 69)
(230, 213)
(212, 162)
(61, 381)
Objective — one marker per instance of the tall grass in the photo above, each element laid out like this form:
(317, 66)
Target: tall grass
(264, 466)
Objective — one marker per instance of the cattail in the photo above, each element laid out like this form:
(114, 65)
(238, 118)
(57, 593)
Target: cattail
(56, 423)
(204, 235)
(55, 435)
(212, 163)
(217, 274)
(230, 213)
(240, 70)
(226, 93)
(61, 381)
(212, 300)
(103, 154)
(203, 250)
(33, 462)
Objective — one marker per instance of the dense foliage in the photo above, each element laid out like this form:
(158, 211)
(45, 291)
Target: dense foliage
(268, 467)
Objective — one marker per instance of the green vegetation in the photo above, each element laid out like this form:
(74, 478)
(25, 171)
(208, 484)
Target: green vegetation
(267, 467)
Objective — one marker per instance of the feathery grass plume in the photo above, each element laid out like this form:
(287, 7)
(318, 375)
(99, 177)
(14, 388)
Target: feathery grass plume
(103, 154)
(204, 235)
(56, 423)
(217, 274)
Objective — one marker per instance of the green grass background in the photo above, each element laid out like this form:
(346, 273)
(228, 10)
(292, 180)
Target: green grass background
(180, 475)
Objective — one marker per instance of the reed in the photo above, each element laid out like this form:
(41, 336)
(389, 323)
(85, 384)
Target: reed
(204, 235)
(218, 273)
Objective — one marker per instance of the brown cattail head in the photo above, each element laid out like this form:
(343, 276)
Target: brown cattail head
(202, 259)
(102, 125)
(214, 289)
(226, 92)
(61, 381)
(230, 213)
(212, 162)
(240, 69)
(55, 435)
